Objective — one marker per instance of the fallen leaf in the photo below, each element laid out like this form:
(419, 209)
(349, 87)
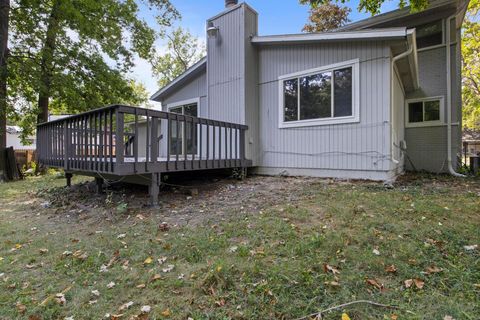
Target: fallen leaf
(43, 251)
(60, 298)
(116, 316)
(163, 227)
(419, 283)
(375, 283)
(149, 260)
(111, 285)
(408, 283)
(391, 269)
(448, 318)
(471, 247)
(92, 302)
(327, 268)
(376, 252)
(168, 268)
(121, 236)
(166, 313)
(125, 306)
(345, 316)
(21, 308)
(145, 309)
(96, 293)
(432, 269)
(393, 317)
(141, 286)
(156, 277)
(140, 216)
(80, 255)
(162, 260)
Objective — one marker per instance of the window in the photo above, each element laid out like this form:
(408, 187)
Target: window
(185, 142)
(424, 112)
(325, 95)
(429, 34)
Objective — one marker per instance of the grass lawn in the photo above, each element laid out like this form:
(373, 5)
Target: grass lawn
(283, 253)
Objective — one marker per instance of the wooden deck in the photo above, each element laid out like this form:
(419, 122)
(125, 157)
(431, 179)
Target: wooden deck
(124, 141)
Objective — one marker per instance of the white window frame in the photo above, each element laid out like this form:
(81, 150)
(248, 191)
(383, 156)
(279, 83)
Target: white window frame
(184, 103)
(355, 117)
(432, 123)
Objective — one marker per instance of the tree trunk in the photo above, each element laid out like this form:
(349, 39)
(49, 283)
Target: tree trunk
(4, 18)
(46, 64)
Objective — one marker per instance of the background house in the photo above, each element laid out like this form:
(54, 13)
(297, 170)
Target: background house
(13, 139)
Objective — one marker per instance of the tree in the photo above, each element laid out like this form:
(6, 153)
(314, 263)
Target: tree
(75, 55)
(183, 50)
(471, 66)
(4, 20)
(325, 17)
(373, 6)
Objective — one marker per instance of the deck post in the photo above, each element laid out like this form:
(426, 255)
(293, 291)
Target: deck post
(154, 189)
(99, 184)
(68, 176)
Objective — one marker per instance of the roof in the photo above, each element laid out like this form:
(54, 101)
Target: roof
(371, 34)
(14, 129)
(194, 70)
(470, 135)
(458, 6)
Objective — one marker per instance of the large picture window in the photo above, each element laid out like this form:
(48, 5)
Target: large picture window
(321, 96)
(424, 112)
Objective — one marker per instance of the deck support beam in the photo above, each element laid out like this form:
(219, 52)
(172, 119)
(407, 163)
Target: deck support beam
(154, 189)
(68, 176)
(99, 184)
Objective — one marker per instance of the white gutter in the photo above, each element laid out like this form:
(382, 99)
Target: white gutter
(392, 74)
(373, 34)
(449, 103)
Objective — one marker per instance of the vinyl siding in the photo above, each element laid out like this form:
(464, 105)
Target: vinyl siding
(427, 146)
(358, 146)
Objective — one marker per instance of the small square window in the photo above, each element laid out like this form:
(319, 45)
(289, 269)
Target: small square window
(426, 111)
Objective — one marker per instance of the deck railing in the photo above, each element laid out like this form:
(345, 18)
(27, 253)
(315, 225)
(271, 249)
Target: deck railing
(124, 140)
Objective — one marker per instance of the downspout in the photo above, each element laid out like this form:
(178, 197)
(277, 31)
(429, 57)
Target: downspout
(392, 73)
(451, 170)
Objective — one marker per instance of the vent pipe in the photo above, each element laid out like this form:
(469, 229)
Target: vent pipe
(230, 3)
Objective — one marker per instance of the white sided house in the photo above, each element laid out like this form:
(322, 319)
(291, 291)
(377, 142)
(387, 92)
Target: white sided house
(369, 101)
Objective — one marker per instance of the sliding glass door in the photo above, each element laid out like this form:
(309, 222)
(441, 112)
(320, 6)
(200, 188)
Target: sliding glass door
(186, 140)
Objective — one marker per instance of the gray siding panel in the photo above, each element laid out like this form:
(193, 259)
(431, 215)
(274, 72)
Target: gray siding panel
(357, 146)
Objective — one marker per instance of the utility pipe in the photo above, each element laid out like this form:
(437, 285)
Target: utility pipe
(451, 170)
(392, 74)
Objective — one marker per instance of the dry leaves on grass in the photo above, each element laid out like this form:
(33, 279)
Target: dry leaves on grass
(375, 283)
(417, 282)
(328, 268)
(391, 269)
(432, 269)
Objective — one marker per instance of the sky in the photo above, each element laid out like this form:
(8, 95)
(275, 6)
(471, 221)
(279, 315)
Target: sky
(275, 17)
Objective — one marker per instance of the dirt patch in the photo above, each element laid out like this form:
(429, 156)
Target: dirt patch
(181, 203)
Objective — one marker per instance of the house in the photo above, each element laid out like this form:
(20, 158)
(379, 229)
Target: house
(471, 142)
(368, 101)
(14, 140)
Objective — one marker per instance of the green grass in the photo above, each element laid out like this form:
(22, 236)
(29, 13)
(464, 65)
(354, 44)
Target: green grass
(267, 265)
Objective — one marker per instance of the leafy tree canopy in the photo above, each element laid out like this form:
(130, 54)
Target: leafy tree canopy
(373, 6)
(183, 50)
(471, 66)
(71, 56)
(327, 16)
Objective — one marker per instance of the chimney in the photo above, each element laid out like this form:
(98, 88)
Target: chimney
(230, 3)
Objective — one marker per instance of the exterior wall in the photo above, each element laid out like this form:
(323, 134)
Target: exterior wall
(356, 147)
(232, 73)
(427, 146)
